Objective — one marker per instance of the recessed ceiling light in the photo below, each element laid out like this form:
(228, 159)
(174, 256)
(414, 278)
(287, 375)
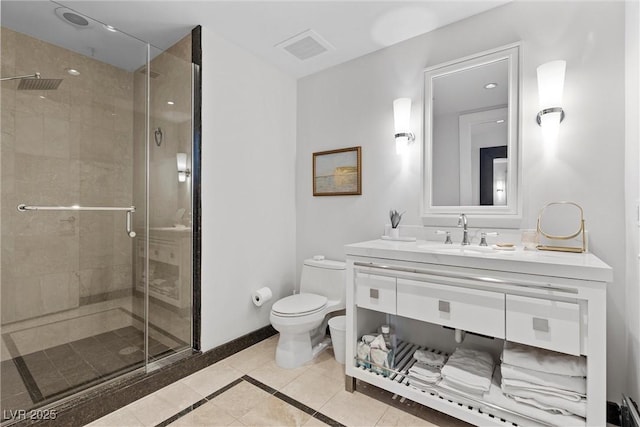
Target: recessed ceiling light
(491, 85)
(500, 121)
(170, 102)
(73, 72)
(43, 97)
(110, 28)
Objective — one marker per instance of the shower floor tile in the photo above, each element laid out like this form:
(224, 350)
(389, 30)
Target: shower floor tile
(49, 374)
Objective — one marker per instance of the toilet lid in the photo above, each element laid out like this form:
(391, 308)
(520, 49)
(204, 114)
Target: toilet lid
(299, 304)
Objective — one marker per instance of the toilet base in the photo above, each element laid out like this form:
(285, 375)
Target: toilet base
(294, 350)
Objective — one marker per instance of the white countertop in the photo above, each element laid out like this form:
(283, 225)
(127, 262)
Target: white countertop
(584, 266)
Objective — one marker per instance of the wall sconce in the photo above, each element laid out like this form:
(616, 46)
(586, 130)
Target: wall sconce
(402, 121)
(550, 88)
(183, 170)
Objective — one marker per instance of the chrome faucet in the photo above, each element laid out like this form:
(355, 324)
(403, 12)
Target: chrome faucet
(462, 221)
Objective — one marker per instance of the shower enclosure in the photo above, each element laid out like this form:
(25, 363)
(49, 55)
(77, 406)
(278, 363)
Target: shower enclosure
(96, 204)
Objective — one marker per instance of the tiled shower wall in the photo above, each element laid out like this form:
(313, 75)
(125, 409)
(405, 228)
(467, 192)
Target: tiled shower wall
(73, 145)
(170, 81)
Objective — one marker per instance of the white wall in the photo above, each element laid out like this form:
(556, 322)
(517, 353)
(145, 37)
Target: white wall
(632, 180)
(351, 104)
(248, 209)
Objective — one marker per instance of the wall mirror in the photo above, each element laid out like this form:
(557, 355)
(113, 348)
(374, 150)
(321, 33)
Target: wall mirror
(471, 139)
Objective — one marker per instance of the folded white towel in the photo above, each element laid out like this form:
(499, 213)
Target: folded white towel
(420, 378)
(424, 384)
(424, 373)
(563, 382)
(466, 389)
(470, 367)
(427, 389)
(548, 361)
(497, 397)
(425, 370)
(551, 391)
(546, 401)
(430, 358)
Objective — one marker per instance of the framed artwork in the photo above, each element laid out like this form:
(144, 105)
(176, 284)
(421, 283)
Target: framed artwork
(337, 172)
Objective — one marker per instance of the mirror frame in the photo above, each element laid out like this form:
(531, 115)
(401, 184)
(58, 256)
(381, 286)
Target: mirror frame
(506, 216)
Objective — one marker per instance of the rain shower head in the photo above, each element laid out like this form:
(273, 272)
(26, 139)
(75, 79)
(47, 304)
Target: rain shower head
(39, 84)
(35, 82)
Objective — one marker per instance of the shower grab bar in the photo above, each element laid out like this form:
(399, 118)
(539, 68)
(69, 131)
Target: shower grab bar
(128, 209)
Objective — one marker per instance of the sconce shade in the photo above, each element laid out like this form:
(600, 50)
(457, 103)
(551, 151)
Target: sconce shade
(182, 161)
(183, 169)
(550, 90)
(402, 114)
(402, 123)
(551, 84)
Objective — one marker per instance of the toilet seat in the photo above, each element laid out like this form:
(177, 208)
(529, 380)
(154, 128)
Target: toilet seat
(299, 305)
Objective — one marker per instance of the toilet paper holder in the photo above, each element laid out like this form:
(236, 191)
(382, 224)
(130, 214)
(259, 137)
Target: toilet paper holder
(260, 296)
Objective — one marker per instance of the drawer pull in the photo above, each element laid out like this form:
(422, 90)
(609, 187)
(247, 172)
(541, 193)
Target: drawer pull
(444, 306)
(541, 325)
(374, 293)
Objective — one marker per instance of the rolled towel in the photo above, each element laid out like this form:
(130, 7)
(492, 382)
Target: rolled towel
(378, 342)
(546, 401)
(363, 351)
(542, 360)
(470, 367)
(563, 382)
(551, 391)
(430, 358)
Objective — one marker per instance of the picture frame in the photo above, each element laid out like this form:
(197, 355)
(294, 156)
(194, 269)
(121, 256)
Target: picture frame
(337, 172)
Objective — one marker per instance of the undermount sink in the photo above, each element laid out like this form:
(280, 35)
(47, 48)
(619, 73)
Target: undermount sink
(457, 248)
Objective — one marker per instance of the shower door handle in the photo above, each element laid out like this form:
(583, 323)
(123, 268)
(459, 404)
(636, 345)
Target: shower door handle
(129, 214)
(128, 209)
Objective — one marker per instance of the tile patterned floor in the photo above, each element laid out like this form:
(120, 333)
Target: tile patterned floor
(46, 375)
(49, 357)
(248, 388)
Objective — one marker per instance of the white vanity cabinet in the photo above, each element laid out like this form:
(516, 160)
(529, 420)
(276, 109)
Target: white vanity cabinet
(549, 300)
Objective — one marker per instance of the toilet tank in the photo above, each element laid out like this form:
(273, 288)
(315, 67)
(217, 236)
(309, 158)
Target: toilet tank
(324, 277)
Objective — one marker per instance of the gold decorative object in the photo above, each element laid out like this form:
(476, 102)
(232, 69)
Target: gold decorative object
(580, 232)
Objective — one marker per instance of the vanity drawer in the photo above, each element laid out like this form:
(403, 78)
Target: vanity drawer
(553, 325)
(163, 253)
(376, 292)
(472, 310)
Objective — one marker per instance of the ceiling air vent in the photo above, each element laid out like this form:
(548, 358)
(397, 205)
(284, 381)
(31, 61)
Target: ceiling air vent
(305, 45)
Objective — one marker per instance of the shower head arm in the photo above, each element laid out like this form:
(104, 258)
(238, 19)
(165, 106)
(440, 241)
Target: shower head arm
(28, 76)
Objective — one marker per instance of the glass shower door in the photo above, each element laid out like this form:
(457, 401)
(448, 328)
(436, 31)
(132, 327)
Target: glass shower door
(73, 155)
(169, 193)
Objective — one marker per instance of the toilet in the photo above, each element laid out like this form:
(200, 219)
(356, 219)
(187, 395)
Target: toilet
(302, 318)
